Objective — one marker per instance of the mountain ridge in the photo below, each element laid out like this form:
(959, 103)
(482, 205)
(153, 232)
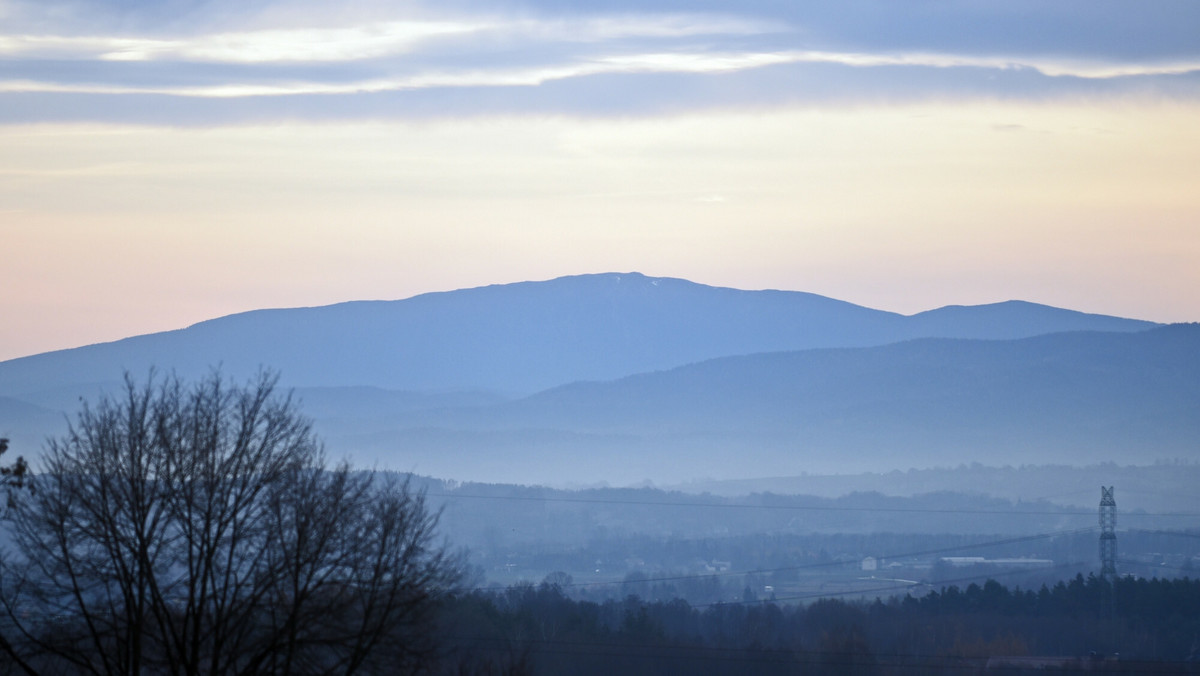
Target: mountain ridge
(625, 377)
(527, 336)
(1075, 397)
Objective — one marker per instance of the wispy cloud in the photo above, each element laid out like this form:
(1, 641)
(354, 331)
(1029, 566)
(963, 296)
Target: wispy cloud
(357, 43)
(474, 49)
(268, 46)
(658, 62)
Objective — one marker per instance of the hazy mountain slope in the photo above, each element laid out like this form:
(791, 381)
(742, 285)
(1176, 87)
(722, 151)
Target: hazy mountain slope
(27, 426)
(1168, 487)
(1008, 320)
(1053, 376)
(1080, 397)
(524, 337)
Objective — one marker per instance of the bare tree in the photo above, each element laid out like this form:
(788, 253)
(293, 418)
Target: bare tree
(198, 529)
(12, 476)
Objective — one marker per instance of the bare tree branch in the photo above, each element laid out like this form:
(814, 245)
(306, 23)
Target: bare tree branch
(198, 529)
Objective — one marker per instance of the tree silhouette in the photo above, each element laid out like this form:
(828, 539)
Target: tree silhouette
(12, 476)
(198, 529)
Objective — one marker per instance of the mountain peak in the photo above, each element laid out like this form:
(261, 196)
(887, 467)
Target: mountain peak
(528, 336)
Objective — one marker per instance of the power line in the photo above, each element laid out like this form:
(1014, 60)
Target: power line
(815, 508)
(810, 566)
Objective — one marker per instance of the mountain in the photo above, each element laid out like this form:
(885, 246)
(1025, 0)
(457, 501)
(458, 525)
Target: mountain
(520, 338)
(1069, 398)
(623, 377)
(27, 425)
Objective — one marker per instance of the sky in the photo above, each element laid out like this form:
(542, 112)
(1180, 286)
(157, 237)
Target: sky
(167, 162)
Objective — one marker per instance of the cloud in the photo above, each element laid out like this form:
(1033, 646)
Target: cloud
(616, 27)
(658, 62)
(293, 49)
(362, 42)
(1092, 29)
(321, 45)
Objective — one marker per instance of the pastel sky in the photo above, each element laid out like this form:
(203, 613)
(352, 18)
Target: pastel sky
(165, 162)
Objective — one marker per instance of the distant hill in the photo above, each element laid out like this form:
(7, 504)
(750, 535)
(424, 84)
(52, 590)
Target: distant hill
(27, 425)
(1071, 398)
(622, 377)
(521, 338)
(1165, 487)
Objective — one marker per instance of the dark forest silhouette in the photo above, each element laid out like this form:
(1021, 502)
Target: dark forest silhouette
(1085, 624)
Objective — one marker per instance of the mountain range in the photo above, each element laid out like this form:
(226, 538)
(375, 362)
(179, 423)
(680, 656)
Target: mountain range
(622, 377)
(526, 337)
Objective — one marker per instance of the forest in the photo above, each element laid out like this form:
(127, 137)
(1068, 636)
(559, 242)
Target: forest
(1087, 624)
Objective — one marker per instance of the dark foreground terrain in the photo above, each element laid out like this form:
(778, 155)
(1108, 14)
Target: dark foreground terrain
(1084, 625)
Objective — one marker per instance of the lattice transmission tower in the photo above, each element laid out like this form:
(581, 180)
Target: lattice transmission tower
(1108, 533)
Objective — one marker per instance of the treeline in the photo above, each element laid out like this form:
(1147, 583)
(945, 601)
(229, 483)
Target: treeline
(1163, 486)
(473, 510)
(1086, 624)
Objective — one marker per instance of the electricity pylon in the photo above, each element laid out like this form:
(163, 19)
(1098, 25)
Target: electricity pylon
(1108, 533)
